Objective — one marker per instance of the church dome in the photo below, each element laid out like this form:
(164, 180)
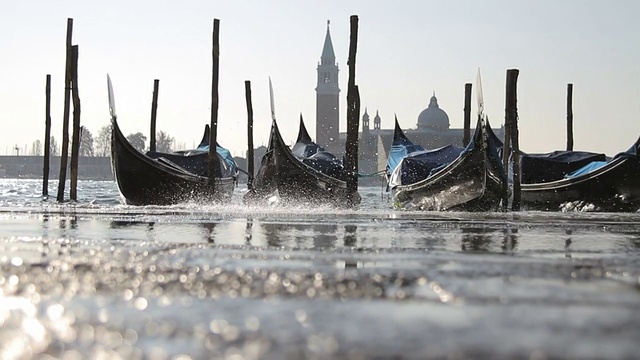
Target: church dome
(433, 117)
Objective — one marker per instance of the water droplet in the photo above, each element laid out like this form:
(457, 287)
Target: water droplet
(54, 312)
(140, 303)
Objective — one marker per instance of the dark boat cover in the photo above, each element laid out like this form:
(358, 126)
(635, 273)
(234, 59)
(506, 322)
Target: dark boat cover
(540, 168)
(556, 165)
(632, 152)
(399, 152)
(225, 154)
(313, 155)
(419, 165)
(195, 160)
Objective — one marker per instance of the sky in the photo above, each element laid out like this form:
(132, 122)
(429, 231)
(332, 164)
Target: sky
(406, 51)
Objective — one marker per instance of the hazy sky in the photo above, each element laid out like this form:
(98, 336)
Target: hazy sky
(406, 51)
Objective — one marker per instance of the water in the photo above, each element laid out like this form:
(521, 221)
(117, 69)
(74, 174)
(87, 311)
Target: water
(99, 279)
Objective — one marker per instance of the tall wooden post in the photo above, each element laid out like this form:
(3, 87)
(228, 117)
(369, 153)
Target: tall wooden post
(250, 165)
(62, 178)
(353, 116)
(154, 112)
(47, 139)
(569, 117)
(75, 143)
(512, 118)
(467, 115)
(213, 157)
(506, 158)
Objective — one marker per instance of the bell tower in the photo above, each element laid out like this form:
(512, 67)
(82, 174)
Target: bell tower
(327, 99)
(365, 122)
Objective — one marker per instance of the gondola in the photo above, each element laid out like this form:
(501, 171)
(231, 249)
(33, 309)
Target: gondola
(448, 178)
(305, 174)
(157, 178)
(575, 180)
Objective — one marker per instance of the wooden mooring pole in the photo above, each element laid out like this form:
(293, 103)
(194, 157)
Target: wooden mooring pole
(506, 155)
(213, 156)
(75, 143)
(47, 139)
(154, 113)
(467, 115)
(62, 178)
(569, 117)
(250, 164)
(512, 118)
(353, 116)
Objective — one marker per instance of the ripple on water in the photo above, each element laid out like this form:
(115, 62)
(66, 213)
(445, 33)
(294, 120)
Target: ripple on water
(102, 279)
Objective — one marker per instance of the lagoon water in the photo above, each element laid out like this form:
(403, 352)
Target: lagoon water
(99, 279)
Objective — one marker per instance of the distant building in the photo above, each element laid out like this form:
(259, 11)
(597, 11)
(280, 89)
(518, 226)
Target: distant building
(32, 167)
(432, 127)
(432, 131)
(258, 153)
(328, 98)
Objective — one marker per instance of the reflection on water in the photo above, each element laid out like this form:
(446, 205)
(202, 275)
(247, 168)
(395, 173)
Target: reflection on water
(486, 239)
(147, 227)
(635, 242)
(191, 281)
(350, 235)
(272, 233)
(123, 224)
(315, 236)
(510, 239)
(209, 232)
(326, 236)
(248, 231)
(476, 239)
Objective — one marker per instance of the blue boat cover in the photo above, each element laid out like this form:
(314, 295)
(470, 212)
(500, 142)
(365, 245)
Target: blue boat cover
(537, 168)
(225, 154)
(586, 169)
(398, 152)
(631, 152)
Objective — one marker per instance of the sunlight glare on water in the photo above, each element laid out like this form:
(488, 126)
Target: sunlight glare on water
(102, 279)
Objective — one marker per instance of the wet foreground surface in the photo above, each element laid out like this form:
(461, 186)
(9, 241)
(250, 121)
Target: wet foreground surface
(103, 280)
(186, 284)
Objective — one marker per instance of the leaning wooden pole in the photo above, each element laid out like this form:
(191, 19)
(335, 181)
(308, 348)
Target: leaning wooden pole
(213, 157)
(75, 139)
(154, 113)
(569, 117)
(353, 115)
(512, 118)
(467, 115)
(62, 178)
(250, 165)
(47, 139)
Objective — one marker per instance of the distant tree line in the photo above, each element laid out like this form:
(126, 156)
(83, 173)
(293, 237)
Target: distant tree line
(101, 145)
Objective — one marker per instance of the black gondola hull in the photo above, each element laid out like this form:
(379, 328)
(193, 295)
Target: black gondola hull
(146, 181)
(474, 181)
(469, 184)
(613, 187)
(284, 178)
